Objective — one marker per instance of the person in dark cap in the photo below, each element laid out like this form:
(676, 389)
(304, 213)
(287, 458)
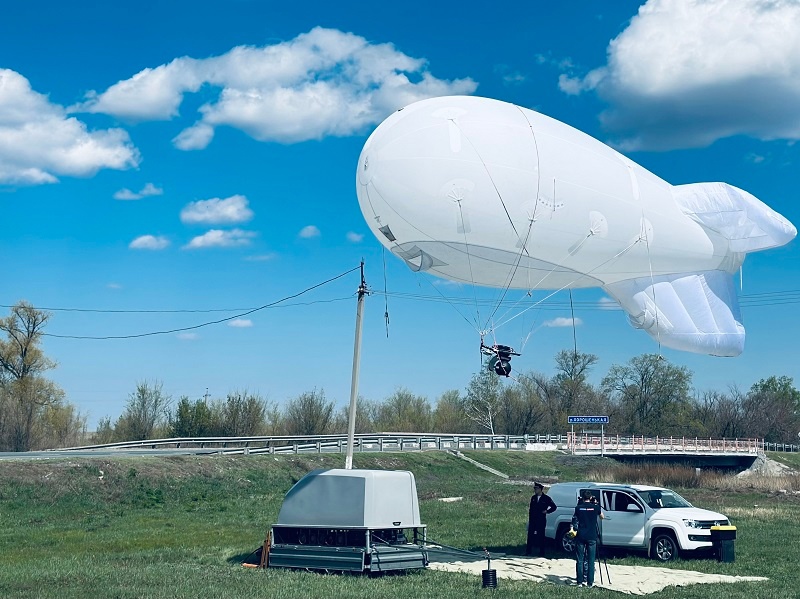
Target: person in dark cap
(584, 520)
(541, 505)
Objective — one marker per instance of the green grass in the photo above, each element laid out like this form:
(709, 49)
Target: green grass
(789, 459)
(180, 527)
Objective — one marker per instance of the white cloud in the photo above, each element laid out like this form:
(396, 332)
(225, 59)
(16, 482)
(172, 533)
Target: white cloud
(309, 231)
(149, 242)
(562, 322)
(354, 237)
(572, 86)
(324, 82)
(114, 286)
(446, 283)
(39, 142)
(196, 137)
(148, 190)
(260, 258)
(755, 158)
(187, 336)
(685, 73)
(126, 194)
(219, 238)
(151, 94)
(151, 190)
(509, 75)
(548, 59)
(232, 210)
(606, 303)
(241, 323)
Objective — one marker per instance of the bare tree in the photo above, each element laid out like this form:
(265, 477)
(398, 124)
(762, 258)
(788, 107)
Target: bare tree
(403, 412)
(650, 394)
(243, 414)
(64, 425)
(772, 410)
(365, 417)
(449, 415)
(273, 419)
(104, 433)
(572, 369)
(549, 392)
(568, 392)
(520, 407)
(483, 397)
(20, 354)
(308, 414)
(147, 408)
(721, 414)
(192, 419)
(24, 392)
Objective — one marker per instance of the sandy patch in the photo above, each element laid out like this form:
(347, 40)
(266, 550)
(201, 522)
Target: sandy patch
(633, 580)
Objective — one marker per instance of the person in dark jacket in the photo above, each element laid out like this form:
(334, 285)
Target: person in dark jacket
(584, 520)
(541, 505)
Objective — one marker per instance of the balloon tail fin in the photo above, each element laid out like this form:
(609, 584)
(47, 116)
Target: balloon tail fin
(696, 312)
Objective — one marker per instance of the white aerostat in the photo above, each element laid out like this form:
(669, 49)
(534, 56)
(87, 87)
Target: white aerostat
(489, 193)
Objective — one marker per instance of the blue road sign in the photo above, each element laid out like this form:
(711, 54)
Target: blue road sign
(588, 419)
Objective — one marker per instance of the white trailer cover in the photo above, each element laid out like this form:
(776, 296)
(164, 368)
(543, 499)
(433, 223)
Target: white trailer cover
(340, 498)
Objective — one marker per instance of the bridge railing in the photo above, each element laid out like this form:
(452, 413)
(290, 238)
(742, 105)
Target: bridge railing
(631, 444)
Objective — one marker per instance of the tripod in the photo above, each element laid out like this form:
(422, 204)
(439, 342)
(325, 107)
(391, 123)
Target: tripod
(599, 552)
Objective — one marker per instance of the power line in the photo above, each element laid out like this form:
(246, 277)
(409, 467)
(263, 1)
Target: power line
(774, 298)
(769, 298)
(205, 324)
(179, 311)
(753, 300)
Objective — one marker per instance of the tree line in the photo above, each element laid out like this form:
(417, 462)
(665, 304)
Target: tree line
(646, 395)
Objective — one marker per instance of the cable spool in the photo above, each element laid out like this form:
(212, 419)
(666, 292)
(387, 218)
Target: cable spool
(489, 579)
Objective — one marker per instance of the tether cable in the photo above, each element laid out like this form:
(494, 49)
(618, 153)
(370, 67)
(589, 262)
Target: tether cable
(614, 257)
(469, 262)
(386, 295)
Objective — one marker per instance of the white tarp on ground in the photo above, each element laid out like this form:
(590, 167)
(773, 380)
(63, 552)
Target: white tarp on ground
(633, 580)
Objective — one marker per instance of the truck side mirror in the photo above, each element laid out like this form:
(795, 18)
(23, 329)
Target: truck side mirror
(632, 507)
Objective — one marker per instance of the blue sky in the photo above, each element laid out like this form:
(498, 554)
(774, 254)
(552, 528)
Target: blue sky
(167, 164)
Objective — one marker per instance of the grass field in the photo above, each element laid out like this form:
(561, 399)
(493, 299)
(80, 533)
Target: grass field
(180, 527)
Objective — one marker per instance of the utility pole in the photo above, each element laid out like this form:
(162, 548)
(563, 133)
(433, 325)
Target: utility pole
(351, 424)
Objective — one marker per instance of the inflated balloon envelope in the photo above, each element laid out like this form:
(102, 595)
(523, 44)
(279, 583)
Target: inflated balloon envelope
(488, 193)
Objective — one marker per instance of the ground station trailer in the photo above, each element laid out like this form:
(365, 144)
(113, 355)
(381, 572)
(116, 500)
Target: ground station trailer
(350, 521)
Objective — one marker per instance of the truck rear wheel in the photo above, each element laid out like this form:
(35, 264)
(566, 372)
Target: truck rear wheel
(664, 547)
(562, 540)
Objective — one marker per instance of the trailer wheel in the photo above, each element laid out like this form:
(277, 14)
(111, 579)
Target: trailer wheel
(562, 540)
(664, 547)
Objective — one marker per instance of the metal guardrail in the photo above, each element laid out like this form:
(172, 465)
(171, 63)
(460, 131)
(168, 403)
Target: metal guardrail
(580, 443)
(337, 443)
(785, 447)
(413, 442)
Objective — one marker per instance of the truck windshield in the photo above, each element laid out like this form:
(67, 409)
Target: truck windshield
(663, 498)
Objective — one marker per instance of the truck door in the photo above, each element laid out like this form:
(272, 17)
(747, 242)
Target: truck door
(624, 520)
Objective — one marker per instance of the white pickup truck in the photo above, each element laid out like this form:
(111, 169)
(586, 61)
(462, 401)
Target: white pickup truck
(653, 519)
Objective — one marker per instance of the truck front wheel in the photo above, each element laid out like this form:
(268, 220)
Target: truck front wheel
(567, 545)
(665, 547)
